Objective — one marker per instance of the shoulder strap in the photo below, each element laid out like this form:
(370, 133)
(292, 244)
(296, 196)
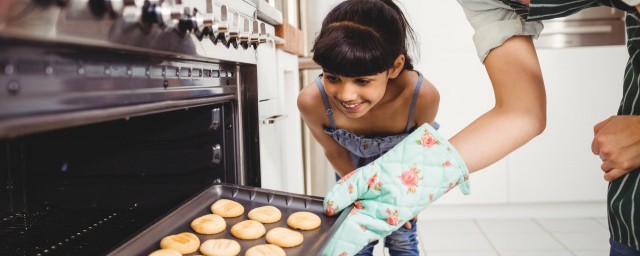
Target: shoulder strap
(325, 99)
(413, 101)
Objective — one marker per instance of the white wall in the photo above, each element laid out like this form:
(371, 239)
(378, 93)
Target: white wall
(583, 87)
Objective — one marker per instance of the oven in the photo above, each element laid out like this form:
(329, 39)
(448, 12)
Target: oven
(114, 112)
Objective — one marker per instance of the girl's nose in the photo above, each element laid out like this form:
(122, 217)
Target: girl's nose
(348, 93)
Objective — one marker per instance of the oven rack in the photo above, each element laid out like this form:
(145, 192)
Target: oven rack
(28, 233)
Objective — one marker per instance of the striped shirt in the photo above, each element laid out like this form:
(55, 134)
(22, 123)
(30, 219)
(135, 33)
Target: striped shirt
(623, 199)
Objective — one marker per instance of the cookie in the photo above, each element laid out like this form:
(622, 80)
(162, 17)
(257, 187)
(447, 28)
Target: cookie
(209, 224)
(248, 229)
(220, 247)
(184, 243)
(227, 208)
(265, 214)
(265, 250)
(165, 252)
(284, 237)
(303, 221)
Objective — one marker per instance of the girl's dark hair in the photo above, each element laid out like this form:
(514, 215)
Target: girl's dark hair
(363, 37)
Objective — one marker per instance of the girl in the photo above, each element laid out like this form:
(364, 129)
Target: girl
(369, 97)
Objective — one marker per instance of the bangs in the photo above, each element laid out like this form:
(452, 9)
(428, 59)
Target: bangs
(351, 50)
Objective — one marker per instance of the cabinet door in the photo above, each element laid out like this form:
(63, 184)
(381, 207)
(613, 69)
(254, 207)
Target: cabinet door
(267, 72)
(271, 167)
(291, 132)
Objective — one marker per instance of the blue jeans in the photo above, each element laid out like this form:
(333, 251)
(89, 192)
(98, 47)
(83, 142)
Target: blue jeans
(618, 249)
(402, 242)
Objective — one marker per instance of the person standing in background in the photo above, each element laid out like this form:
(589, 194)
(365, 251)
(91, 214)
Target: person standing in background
(503, 40)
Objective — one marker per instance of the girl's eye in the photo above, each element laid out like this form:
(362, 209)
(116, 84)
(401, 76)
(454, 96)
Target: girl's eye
(362, 82)
(332, 79)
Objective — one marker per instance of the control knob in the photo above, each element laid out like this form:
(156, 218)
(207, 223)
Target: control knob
(244, 35)
(254, 39)
(220, 29)
(233, 32)
(159, 13)
(111, 7)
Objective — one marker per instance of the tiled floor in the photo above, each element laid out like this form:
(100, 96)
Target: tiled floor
(513, 237)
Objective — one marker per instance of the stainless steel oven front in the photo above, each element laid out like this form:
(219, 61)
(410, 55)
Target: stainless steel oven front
(114, 111)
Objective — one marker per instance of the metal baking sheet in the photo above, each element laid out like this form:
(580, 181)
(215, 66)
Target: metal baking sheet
(180, 219)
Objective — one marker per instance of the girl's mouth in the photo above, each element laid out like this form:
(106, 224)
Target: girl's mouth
(352, 107)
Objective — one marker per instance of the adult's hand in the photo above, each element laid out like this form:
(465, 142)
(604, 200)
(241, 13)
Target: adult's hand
(393, 189)
(617, 142)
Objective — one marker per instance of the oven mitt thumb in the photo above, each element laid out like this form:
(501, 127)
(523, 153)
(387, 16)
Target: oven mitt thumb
(393, 189)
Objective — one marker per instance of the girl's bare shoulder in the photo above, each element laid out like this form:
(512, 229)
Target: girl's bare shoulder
(309, 97)
(427, 89)
(310, 103)
(427, 102)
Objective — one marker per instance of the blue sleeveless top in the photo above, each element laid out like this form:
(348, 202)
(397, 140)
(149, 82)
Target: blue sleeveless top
(363, 150)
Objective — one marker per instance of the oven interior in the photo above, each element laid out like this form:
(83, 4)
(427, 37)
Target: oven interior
(84, 190)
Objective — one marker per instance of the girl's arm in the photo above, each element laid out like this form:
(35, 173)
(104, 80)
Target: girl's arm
(520, 109)
(312, 112)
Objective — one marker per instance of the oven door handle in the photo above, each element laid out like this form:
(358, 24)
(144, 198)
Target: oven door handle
(273, 119)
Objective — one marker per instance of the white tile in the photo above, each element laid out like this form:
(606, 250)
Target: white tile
(584, 240)
(455, 242)
(448, 227)
(591, 253)
(535, 253)
(420, 247)
(378, 250)
(523, 241)
(571, 225)
(510, 226)
(463, 253)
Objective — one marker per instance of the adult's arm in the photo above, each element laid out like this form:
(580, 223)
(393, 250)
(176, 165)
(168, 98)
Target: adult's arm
(504, 44)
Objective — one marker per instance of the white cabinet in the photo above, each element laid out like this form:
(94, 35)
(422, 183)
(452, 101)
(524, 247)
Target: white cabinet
(267, 74)
(272, 173)
(291, 129)
(280, 128)
(269, 118)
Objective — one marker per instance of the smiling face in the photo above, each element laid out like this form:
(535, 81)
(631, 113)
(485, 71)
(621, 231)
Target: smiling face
(355, 96)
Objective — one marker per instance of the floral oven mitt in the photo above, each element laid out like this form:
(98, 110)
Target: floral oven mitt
(393, 189)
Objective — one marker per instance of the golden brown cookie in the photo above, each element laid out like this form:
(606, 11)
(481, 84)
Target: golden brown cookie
(209, 224)
(184, 243)
(265, 214)
(227, 208)
(220, 247)
(303, 221)
(248, 229)
(265, 250)
(165, 252)
(284, 237)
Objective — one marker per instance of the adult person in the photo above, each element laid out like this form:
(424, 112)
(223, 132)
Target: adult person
(505, 27)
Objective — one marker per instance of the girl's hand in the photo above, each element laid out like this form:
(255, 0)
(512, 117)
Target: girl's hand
(407, 224)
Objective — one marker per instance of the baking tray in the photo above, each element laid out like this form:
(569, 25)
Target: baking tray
(179, 220)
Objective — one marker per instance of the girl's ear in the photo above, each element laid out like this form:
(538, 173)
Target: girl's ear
(398, 64)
